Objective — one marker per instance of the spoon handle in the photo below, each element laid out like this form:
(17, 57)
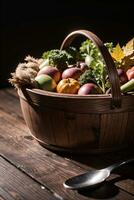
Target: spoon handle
(119, 164)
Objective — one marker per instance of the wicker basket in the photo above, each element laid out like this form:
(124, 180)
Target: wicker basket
(81, 124)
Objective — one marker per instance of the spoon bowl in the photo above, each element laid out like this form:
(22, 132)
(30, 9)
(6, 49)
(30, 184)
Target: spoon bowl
(88, 179)
(93, 177)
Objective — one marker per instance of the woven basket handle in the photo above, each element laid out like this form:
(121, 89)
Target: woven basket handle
(110, 66)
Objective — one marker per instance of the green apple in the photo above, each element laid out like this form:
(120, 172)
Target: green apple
(45, 82)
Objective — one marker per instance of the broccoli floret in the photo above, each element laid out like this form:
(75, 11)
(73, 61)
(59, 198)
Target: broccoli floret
(61, 58)
(56, 58)
(73, 55)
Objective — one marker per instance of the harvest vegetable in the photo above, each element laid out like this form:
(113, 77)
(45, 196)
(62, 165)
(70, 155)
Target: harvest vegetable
(45, 82)
(72, 72)
(122, 76)
(76, 67)
(51, 71)
(130, 73)
(93, 58)
(68, 86)
(89, 88)
(127, 87)
(61, 58)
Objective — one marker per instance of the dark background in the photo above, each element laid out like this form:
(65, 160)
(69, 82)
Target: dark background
(31, 27)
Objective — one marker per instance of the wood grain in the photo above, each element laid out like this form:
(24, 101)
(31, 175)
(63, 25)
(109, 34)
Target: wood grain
(10, 104)
(75, 123)
(17, 185)
(113, 130)
(49, 169)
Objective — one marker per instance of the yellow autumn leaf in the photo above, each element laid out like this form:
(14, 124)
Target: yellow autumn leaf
(118, 53)
(129, 48)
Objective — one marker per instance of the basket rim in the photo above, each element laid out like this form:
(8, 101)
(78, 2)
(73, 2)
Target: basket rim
(71, 96)
(73, 103)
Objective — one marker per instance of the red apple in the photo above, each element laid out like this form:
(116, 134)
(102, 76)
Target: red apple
(122, 76)
(89, 88)
(51, 71)
(72, 72)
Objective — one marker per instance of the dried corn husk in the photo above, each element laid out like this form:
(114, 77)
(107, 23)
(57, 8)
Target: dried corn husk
(25, 73)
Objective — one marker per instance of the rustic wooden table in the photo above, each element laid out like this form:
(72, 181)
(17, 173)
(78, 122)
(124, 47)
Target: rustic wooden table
(30, 172)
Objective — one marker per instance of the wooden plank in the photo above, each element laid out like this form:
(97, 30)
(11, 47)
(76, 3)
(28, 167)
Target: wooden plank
(11, 91)
(18, 141)
(18, 185)
(10, 104)
(4, 195)
(46, 167)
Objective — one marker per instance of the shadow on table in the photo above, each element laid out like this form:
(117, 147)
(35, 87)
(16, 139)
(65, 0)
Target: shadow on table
(106, 190)
(99, 160)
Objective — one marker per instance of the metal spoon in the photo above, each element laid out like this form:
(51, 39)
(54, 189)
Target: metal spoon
(93, 177)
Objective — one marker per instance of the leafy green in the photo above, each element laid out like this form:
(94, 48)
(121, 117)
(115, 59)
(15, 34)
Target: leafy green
(86, 77)
(96, 64)
(88, 48)
(109, 46)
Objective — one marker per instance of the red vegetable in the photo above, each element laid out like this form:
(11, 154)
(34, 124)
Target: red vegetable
(130, 73)
(122, 76)
(73, 72)
(89, 88)
(51, 71)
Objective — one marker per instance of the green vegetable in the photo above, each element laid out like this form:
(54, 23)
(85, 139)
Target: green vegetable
(127, 87)
(86, 77)
(73, 55)
(109, 46)
(44, 63)
(88, 60)
(56, 58)
(61, 58)
(93, 58)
